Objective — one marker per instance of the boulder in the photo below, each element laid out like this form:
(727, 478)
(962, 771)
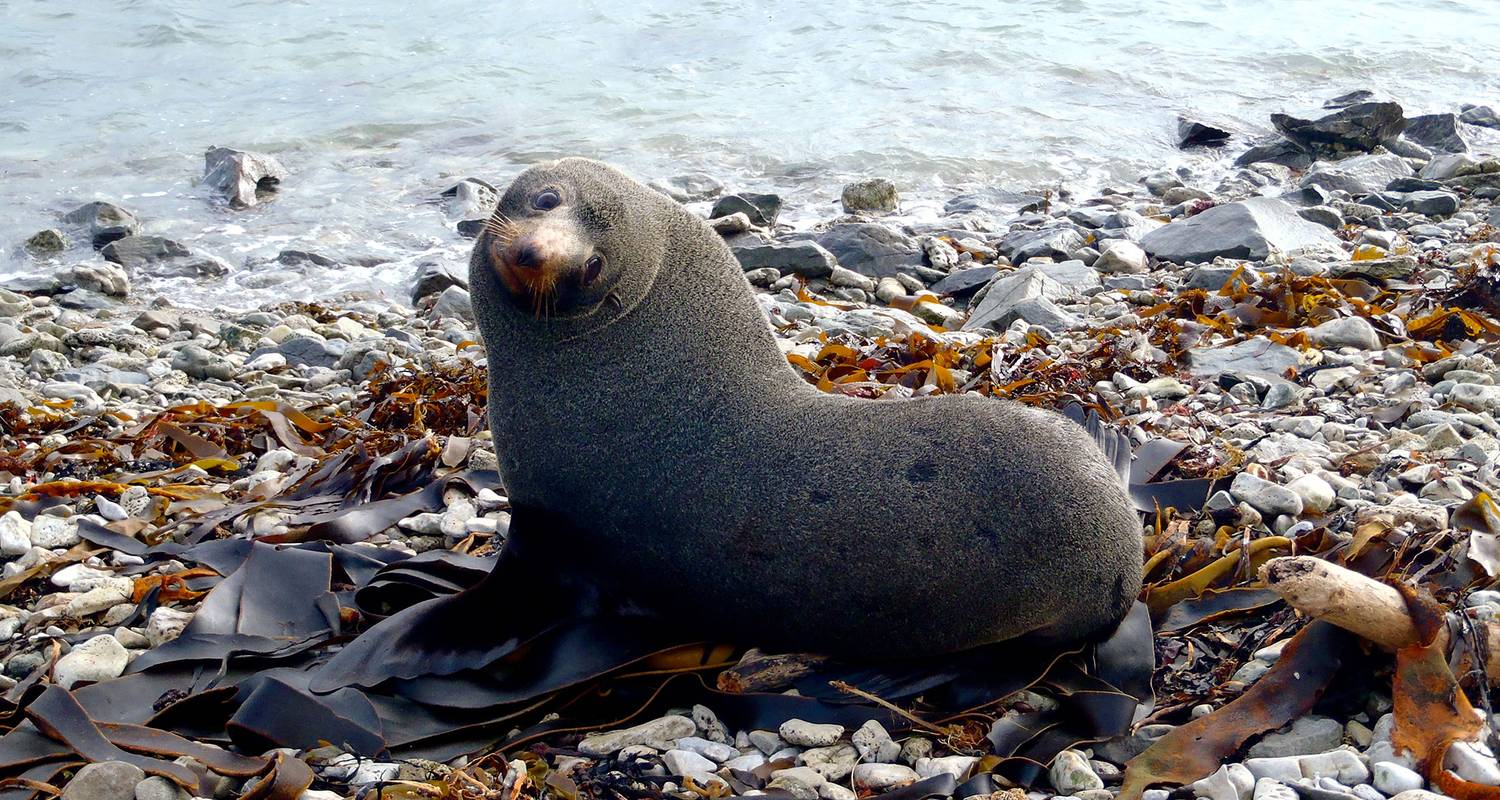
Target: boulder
(805, 258)
(435, 276)
(1248, 229)
(1026, 293)
(1483, 116)
(240, 175)
(1442, 133)
(962, 282)
(162, 257)
(1359, 174)
(994, 203)
(1358, 127)
(105, 222)
(1279, 151)
(471, 198)
(1193, 133)
(875, 195)
(762, 209)
(1058, 243)
(689, 188)
(872, 249)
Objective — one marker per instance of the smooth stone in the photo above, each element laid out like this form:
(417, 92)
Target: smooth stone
(1341, 765)
(159, 788)
(800, 782)
(658, 733)
(957, 766)
(1273, 789)
(762, 209)
(1254, 355)
(1287, 769)
(1230, 782)
(1070, 772)
(1356, 332)
(106, 780)
(1248, 229)
(805, 258)
(714, 751)
(766, 741)
(101, 658)
(1471, 765)
(684, 762)
(1055, 243)
(878, 777)
(1360, 174)
(1121, 256)
(1317, 495)
(810, 734)
(15, 534)
(1310, 734)
(1393, 779)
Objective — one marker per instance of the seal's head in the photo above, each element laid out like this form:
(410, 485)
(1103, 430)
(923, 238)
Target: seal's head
(571, 240)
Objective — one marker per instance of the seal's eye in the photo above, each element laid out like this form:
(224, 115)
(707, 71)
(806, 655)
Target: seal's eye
(592, 268)
(546, 200)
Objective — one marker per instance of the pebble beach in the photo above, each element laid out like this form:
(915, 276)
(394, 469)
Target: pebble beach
(1314, 320)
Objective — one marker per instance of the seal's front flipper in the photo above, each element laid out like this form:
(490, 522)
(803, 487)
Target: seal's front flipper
(519, 599)
(1112, 441)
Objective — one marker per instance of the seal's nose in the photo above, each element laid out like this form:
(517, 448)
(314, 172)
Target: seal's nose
(529, 256)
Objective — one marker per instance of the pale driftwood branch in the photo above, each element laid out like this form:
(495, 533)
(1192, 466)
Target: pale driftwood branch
(1363, 606)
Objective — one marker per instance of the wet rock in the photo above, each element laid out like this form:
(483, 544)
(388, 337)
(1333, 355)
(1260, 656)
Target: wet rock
(1027, 293)
(1471, 765)
(1055, 243)
(809, 734)
(1442, 133)
(239, 176)
(689, 188)
(1279, 151)
(101, 658)
(762, 209)
(731, 225)
(872, 249)
(435, 276)
(805, 258)
(1428, 203)
(106, 780)
(1192, 133)
(1070, 772)
(1249, 229)
(102, 277)
(1356, 332)
(876, 195)
(1483, 116)
(470, 199)
(658, 733)
(46, 243)
(1358, 127)
(1327, 216)
(104, 222)
(1360, 174)
(162, 257)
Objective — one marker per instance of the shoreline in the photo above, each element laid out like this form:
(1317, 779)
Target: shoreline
(1318, 338)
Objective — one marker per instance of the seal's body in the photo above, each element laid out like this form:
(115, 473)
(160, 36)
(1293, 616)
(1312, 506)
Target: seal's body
(636, 392)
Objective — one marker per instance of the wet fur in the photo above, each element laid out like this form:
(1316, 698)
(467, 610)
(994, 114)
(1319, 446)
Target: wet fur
(702, 476)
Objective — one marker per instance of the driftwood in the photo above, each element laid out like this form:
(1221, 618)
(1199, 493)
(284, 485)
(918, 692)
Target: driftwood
(1360, 605)
(760, 672)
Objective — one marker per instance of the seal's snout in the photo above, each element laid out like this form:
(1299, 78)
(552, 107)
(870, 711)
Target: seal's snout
(529, 256)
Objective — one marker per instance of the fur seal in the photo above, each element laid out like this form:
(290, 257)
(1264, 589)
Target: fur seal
(637, 393)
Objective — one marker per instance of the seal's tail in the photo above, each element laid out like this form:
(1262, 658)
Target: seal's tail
(1113, 442)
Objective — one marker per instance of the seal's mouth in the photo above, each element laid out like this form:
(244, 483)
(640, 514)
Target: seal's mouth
(546, 268)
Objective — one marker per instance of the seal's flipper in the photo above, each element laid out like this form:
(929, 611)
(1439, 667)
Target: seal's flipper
(522, 596)
(1113, 442)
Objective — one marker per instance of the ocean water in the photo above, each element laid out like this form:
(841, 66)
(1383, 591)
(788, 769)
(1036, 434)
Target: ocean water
(376, 107)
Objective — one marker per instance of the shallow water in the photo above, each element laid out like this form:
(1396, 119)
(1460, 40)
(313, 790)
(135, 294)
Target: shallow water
(377, 108)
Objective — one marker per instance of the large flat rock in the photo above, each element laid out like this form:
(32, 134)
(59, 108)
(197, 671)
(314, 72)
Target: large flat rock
(1248, 229)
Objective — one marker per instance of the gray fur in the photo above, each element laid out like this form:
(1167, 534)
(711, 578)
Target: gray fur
(709, 481)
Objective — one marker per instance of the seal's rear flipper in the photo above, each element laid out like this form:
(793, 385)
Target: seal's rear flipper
(522, 596)
(1113, 442)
